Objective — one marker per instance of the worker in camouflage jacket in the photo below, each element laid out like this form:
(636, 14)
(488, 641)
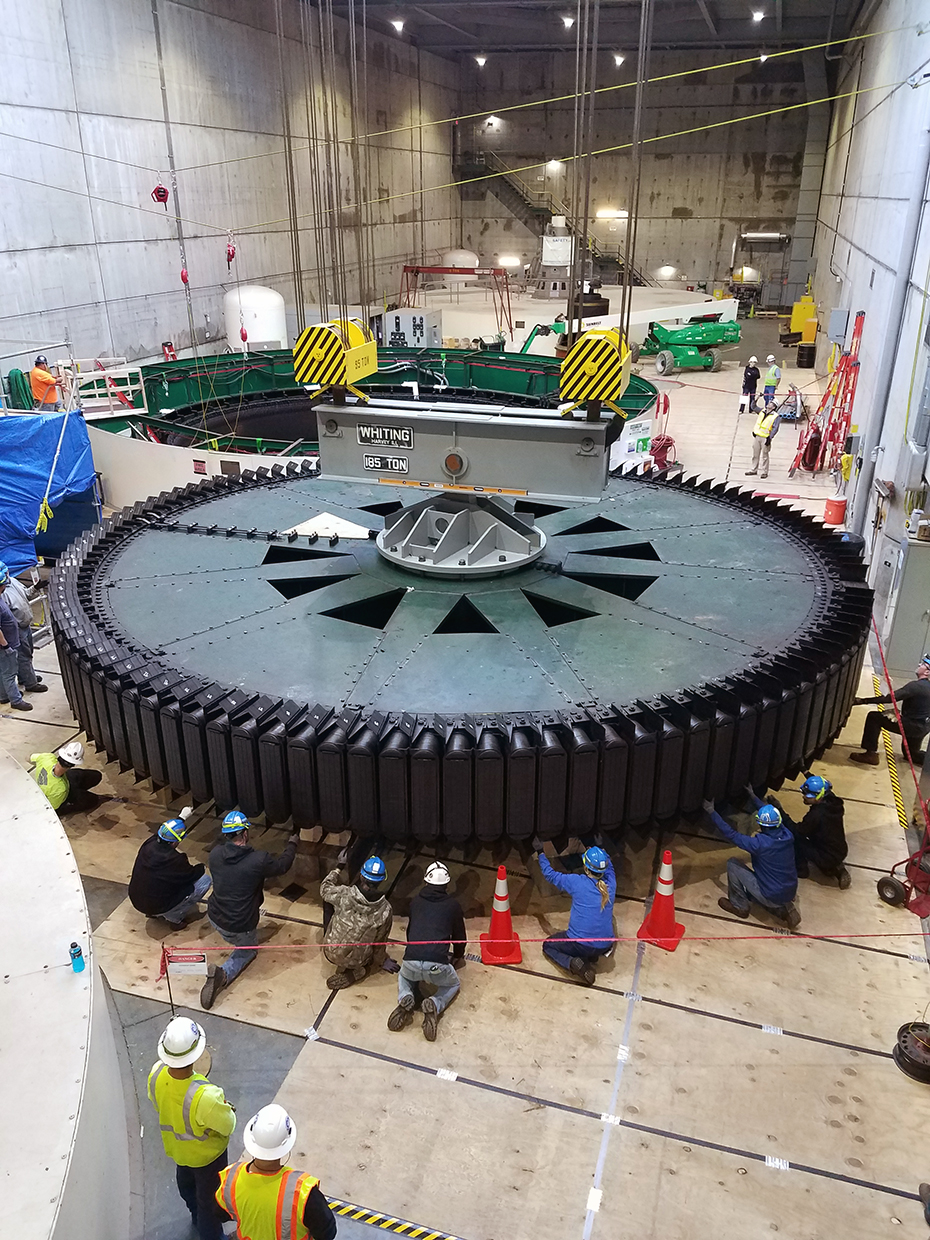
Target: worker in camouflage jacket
(363, 916)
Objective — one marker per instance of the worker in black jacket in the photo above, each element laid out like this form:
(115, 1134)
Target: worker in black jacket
(239, 872)
(819, 838)
(164, 883)
(436, 938)
(914, 704)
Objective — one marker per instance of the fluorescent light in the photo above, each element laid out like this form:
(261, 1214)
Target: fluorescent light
(398, 24)
(610, 213)
(666, 272)
(618, 59)
(481, 61)
(509, 260)
(493, 120)
(757, 15)
(554, 165)
(568, 22)
(763, 236)
(763, 58)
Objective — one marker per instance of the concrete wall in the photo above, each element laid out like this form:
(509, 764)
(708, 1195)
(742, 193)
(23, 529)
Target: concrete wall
(698, 190)
(873, 254)
(84, 252)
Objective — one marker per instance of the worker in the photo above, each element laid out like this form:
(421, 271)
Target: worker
(819, 838)
(196, 1122)
(9, 651)
(363, 916)
(590, 932)
(771, 380)
(61, 778)
(436, 943)
(772, 881)
(267, 1199)
(764, 431)
(164, 883)
(914, 704)
(44, 387)
(14, 595)
(239, 871)
(750, 385)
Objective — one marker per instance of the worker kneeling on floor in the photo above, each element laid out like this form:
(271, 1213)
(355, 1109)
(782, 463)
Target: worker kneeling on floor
(436, 939)
(265, 1198)
(772, 881)
(362, 920)
(66, 786)
(820, 837)
(590, 934)
(164, 883)
(195, 1119)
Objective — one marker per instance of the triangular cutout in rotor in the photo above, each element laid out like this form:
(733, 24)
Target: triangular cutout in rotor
(597, 525)
(631, 551)
(536, 509)
(624, 587)
(465, 617)
(294, 587)
(277, 554)
(372, 613)
(553, 613)
(382, 510)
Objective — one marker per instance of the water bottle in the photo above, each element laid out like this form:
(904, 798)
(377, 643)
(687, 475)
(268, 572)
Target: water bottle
(77, 958)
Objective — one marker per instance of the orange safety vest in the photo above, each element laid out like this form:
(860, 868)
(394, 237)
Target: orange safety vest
(265, 1207)
(44, 386)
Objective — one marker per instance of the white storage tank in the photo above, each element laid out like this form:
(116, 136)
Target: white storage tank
(260, 311)
(460, 258)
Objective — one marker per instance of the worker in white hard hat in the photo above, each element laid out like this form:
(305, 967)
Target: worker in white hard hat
(435, 945)
(64, 781)
(266, 1198)
(771, 380)
(196, 1122)
(750, 385)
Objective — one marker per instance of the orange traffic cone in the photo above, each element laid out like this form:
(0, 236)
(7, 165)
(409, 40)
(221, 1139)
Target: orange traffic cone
(501, 945)
(659, 925)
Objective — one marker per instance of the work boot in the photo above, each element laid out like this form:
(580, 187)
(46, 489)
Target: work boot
(923, 1192)
(583, 970)
(868, 758)
(751, 473)
(39, 680)
(22, 705)
(764, 475)
(430, 1019)
(843, 876)
(727, 907)
(402, 1015)
(216, 981)
(788, 913)
(35, 689)
(340, 980)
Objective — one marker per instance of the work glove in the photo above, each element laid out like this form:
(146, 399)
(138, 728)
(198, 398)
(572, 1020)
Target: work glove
(186, 813)
(708, 806)
(390, 966)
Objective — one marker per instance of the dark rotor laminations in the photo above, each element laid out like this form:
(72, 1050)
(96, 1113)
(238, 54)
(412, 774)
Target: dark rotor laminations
(673, 643)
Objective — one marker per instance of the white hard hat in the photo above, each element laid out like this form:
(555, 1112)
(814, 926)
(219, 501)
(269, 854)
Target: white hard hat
(753, 360)
(270, 1134)
(437, 875)
(72, 753)
(770, 358)
(182, 1043)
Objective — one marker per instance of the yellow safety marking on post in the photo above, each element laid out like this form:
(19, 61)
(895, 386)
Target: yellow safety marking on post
(398, 1226)
(892, 766)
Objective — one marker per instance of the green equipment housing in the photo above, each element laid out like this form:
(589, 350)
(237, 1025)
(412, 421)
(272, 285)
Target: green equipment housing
(693, 346)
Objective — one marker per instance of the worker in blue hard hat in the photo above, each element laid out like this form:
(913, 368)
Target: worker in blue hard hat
(914, 704)
(819, 837)
(164, 882)
(362, 917)
(772, 880)
(239, 872)
(590, 934)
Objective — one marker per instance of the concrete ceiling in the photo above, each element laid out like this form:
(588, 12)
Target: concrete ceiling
(452, 27)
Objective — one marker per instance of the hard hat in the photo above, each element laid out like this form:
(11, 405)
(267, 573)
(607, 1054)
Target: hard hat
(815, 787)
(768, 817)
(234, 822)
(72, 753)
(173, 830)
(41, 360)
(926, 660)
(182, 1042)
(770, 358)
(595, 860)
(374, 870)
(753, 360)
(437, 875)
(270, 1134)
(4, 574)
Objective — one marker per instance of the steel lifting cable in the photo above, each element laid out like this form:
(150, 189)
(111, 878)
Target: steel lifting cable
(632, 219)
(581, 22)
(289, 181)
(589, 162)
(313, 163)
(361, 229)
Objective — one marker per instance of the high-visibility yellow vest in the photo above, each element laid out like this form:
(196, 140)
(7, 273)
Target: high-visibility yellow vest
(265, 1206)
(771, 377)
(764, 423)
(185, 1141)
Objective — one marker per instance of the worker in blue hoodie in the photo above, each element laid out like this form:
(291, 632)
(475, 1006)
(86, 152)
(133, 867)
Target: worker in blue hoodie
(590, 932)
(772, 880)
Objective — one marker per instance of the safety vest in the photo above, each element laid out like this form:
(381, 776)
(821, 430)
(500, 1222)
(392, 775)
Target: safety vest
(55, 787)
(263, 1206)
(190, 1145)
(764, 423)
(772, 376)
(43, 385)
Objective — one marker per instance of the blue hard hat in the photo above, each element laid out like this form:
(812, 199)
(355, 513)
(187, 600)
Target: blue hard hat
(4, 574)
(595, 860)
(768, 817)
(374, 870)
(815, 787)
(173, 830)
(926, 659)
(234, 822)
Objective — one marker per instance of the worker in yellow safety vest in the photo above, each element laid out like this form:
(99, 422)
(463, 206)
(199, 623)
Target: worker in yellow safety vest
(196, 1122)
(265, 1198)
(764, 431)
(771, 380)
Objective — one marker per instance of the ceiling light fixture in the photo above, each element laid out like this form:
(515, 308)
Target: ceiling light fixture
(763, 58)
(554, 165)
(568, 22)
(398, 24)
(481, 61)
(493, 120)
(509, 260)
(757, 15)
(611, 213)
(618, 59)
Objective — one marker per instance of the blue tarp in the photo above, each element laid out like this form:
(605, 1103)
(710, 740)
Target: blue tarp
(27, 450)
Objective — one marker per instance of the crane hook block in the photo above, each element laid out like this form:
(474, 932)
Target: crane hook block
(596, 368)
(335, 355)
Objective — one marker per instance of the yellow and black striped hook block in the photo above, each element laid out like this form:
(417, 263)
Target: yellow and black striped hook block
(595, 369)
(336, 355)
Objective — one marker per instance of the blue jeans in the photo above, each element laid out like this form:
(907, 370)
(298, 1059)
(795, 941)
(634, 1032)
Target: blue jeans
(560, 951)
(442, 976)
(177, 914)
(25, 672)
(9, 666)
(241, 940)
(768, 394)
(743, 887)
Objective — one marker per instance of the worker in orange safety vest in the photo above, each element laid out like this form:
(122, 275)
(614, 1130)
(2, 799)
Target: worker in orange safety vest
(267, 1199)
(44, 387)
